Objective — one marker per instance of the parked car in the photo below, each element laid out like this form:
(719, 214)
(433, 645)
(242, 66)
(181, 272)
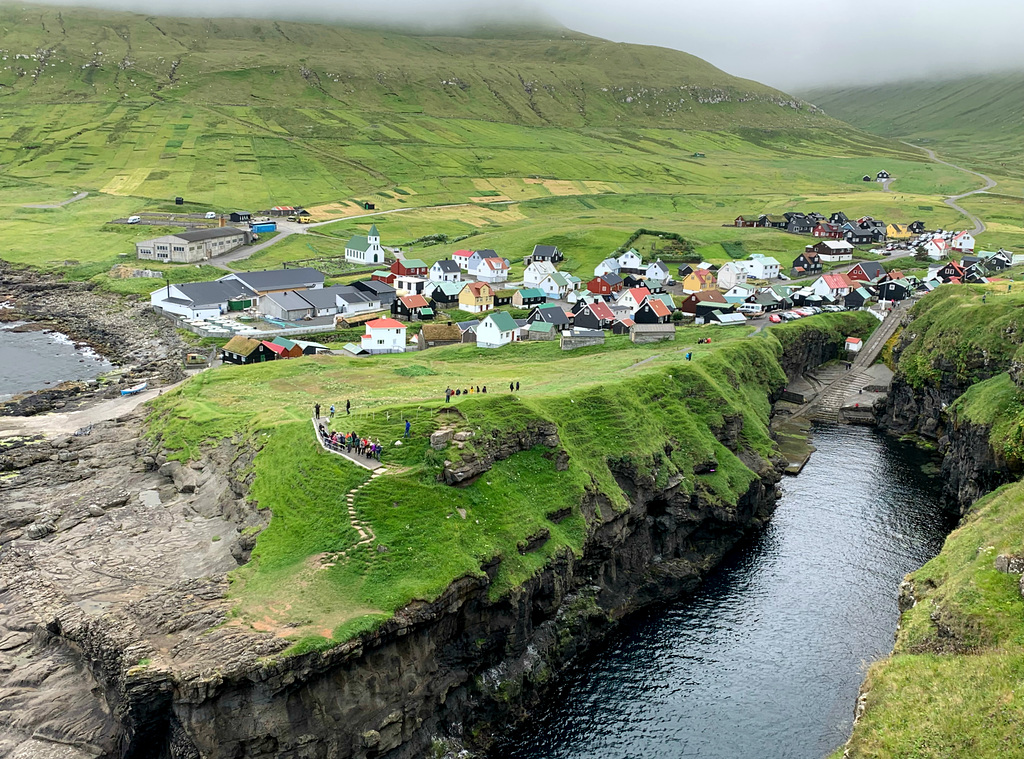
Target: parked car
(774, 318)
(134, 219)
(211, 214)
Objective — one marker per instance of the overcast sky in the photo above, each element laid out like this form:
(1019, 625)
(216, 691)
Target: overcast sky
(790, 44)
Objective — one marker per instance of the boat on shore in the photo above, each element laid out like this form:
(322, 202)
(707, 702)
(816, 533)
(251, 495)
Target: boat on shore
(135, 390)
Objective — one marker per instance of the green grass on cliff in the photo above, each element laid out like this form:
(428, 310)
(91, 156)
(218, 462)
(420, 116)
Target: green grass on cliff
(620, 407)
(957, 337)
(951, 690)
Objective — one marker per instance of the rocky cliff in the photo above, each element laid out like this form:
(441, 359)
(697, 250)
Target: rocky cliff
(118, 637)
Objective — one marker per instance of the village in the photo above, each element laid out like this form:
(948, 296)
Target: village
(407, 304)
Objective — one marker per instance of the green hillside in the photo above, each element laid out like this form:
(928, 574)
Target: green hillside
(540, 131)
(978, 119)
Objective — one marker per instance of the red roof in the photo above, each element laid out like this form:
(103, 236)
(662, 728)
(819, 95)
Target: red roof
(476, 287)
(462, 253)
(658, 307)
(709, 296)
(837, 281)
(414, 301)
(602, 311)
(283, 208)
(639, 293)
(384, 324)
(626, 321)
(278, 349)
(853, 340)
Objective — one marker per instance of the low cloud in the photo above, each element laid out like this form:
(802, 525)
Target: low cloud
(791, 44)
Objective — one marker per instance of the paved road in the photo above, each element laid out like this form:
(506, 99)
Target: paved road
(288, 228)
(62, 203)
(979, 225)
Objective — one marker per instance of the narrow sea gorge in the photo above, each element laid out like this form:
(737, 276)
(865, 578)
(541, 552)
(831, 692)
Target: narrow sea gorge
(767, 657)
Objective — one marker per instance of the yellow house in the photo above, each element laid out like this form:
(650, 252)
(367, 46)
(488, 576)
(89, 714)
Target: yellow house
(476, 297)
(699, 280)
(898, 232)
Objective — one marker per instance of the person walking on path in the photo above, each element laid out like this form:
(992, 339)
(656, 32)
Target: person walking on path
(517, 387)
(407, 427)
(447, 395)
(511, 387)
(316, 410)
(332, 411)
(348, 407)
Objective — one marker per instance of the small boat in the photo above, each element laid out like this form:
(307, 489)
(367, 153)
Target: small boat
(135, 390)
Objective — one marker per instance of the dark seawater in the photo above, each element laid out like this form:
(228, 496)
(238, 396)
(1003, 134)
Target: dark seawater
(28, 360)
(765, 660)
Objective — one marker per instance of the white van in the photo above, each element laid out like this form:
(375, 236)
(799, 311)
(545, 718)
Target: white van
(211, 214)
(751, 309)
(134, 219)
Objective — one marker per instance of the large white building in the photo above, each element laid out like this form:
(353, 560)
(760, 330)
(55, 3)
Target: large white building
(383, 336)
(365, 249)
(191, 247)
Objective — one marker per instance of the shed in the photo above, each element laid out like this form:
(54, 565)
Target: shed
(651, 333)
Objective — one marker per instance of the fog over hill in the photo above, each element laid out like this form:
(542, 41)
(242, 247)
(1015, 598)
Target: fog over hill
(789, 44)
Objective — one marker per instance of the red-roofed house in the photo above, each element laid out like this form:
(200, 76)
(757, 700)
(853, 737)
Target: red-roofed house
(279, 350)
(951, 272)
(621, 326)
(633, 297)
(963, 242)
(834, 286)
(854, 344)
(701, 299)
(652, 311)
(594, 316)
(383, 336)
(936, 248)
(411, 307)
(461, 257)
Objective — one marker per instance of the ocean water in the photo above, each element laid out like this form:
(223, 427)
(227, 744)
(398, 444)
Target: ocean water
(38, 360)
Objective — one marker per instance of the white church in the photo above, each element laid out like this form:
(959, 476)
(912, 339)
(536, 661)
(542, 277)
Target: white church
(366, 249)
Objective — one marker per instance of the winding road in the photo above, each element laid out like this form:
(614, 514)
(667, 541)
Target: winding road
(979, 225)
(61, 204)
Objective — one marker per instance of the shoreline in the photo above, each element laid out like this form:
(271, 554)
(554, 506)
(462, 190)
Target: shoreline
(137, 343)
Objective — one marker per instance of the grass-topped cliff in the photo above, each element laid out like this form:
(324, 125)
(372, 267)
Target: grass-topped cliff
(951, 687)
(621, 407)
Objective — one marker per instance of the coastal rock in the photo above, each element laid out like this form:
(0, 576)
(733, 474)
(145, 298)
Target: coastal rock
(439, 439)
(1013, 565)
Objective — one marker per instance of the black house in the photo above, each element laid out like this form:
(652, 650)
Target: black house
(683, 271)
(545, 253)
(240, 217)
(839, 217)
(894, 289)
(631, 281)
(801, 225)
(385, 291)
(652, 311)
(856, 298)
(861, 236)
(552, 315)
(806, 263)
(882, 174)
(917, 227)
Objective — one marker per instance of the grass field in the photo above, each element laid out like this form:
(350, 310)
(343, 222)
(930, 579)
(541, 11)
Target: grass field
(260, 114)
(616, 402)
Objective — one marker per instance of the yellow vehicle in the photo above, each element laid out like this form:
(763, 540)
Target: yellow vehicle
(305, 219)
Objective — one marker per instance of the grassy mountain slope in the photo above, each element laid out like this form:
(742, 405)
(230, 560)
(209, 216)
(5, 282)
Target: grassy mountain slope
(252, 113)
(979, 119)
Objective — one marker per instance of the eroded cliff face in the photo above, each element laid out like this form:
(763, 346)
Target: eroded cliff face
(451, 668)
(970, 466)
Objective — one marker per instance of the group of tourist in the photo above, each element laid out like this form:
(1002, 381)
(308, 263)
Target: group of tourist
(703, 341)
(352, 443)
(449, 393)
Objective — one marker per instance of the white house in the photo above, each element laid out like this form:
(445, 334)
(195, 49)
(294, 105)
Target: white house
(658, 270)
(759, 266)
(477, 256)
(936, 248)
(461, 258)
(834, 286)
(537, 272)
(559, 285)
(496, 329)
(833, 251)
(407, 284)
(633, 298)
(631, 260)
(383, 336)
(445, 270)
(963, 242)
(203, 300)
(366, 249)
(193, 246)
(730, 275)
(608, 266)
(739, 290)
(492, 270)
